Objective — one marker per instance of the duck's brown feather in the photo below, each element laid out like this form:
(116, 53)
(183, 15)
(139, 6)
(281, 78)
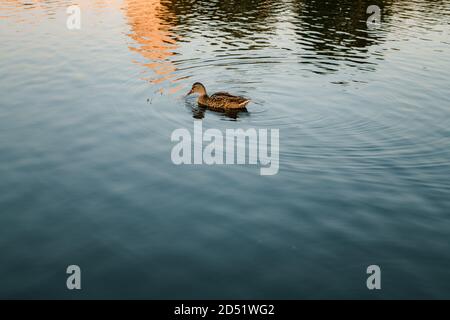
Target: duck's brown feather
(222, 93)
(224, 100)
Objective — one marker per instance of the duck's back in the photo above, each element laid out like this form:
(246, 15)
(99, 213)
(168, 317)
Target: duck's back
(224, 100)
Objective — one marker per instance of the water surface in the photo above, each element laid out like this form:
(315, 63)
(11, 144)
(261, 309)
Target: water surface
(86, 176)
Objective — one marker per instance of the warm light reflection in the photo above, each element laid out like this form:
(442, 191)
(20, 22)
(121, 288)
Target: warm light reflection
(154, 39)
(151, 33)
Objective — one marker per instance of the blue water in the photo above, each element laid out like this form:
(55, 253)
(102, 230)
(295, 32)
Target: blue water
(86, 176)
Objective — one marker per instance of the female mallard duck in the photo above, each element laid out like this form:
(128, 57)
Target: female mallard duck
(219, 100)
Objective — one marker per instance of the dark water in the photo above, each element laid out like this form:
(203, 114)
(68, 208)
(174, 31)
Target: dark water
(86, 176)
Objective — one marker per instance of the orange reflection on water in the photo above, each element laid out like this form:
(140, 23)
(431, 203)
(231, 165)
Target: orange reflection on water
(154, 39)
(148, 20)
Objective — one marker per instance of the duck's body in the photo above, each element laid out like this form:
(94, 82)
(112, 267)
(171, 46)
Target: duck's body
(219, 100)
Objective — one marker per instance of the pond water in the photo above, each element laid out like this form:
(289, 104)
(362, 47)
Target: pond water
(86, 176)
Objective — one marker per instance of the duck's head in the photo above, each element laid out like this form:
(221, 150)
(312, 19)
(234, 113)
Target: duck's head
(198, 88)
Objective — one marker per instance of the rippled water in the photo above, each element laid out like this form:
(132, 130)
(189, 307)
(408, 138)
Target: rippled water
(86, 177)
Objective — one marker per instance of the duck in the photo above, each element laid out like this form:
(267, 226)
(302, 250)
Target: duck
(219, 100)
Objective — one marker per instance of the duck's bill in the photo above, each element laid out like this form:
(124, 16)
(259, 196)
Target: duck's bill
(189, 93)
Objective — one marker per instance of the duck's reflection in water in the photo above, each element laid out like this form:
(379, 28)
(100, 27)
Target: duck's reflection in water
(199, 112)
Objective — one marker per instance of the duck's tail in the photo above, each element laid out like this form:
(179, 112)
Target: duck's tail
(244, 103)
